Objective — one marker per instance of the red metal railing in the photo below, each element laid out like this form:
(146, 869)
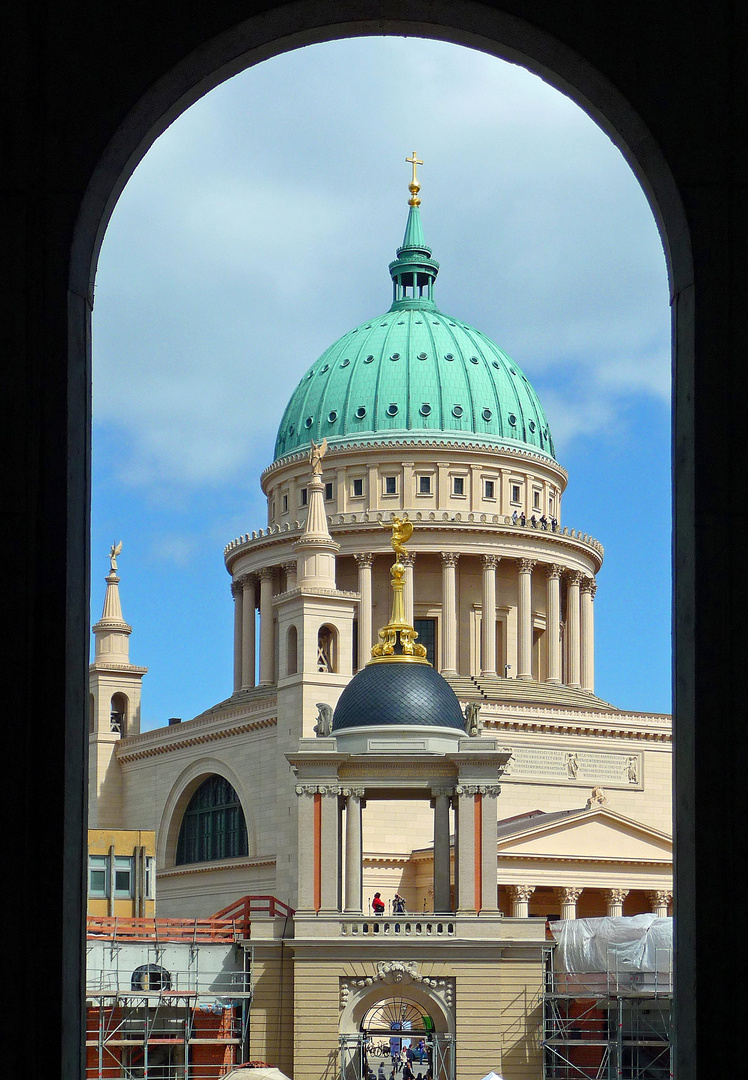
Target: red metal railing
(230, 923)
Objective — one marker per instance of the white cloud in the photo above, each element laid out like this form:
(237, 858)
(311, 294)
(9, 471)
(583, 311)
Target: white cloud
(259, 227)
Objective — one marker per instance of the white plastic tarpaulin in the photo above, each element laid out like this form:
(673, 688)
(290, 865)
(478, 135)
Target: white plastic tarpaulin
(258, 1073)
(626, 944)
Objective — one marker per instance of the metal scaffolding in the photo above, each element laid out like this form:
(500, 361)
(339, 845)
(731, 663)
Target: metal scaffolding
(612, 1025)
(166, 1000)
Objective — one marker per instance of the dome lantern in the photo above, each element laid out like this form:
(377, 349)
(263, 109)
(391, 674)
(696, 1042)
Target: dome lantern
(413, 271)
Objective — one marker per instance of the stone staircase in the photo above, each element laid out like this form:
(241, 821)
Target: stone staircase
(523, 692)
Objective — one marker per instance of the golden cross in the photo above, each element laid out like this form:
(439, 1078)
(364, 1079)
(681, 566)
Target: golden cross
(414, 161)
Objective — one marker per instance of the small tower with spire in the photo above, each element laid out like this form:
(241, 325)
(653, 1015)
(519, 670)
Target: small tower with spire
(114, 702)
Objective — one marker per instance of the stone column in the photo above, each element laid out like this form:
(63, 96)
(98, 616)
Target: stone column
(236, 592)
(248, 631)
(587, 620)
(520, 897)
(614, 899)
(407, 560)
(553, 621)
(442, 897)
(572, 630)
(659, 901)
(488, 621)
(449, 627)
(524, 619)
(353, 797)
(307, 844)
(568, 897)
(364, 561)
(266, 626)
(330, 849)
(489, 898)
(291, 569)
(465, 851)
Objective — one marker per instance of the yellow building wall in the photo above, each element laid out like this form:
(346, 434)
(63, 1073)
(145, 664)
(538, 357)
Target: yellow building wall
(122, 842)
(271, 1018)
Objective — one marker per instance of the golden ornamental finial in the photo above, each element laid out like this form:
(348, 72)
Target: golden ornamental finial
(414, 187)
(397, 640)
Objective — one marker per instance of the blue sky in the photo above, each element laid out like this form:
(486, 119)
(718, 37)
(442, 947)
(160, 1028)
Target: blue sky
(258, 229)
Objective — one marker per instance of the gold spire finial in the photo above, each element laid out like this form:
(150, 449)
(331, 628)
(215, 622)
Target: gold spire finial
(397, 640)
(414, 187)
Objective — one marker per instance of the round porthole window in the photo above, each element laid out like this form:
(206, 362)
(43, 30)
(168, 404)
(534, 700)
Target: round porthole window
(368, 359)
(473, 359)
(392, 409)
(422, 356)
(395, 356)
(344, 363)
(512, 419)
(360, 412)
(512, 371)
(310, 375)
(425, 409)
(486, 414)
(449, 356)
(496, 364)
(308, 422)
(531, 425)
(324, 369)
(332, 417)
(457, 410)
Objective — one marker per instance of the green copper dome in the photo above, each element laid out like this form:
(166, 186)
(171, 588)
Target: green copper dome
(416, 374)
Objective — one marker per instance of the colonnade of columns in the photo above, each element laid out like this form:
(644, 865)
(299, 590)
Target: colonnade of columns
(580, 631)
(324, 808)
(567, 897)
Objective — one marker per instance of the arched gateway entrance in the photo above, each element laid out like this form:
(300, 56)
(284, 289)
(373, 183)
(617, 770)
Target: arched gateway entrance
(397, 1031)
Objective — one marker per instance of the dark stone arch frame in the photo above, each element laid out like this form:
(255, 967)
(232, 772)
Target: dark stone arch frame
(685, 73)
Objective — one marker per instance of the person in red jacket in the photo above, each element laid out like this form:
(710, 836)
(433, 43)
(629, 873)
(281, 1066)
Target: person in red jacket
(378, 904)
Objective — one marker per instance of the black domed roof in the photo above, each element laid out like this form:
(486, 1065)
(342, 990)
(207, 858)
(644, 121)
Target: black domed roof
(398, 692)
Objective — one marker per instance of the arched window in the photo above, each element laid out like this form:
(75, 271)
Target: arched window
(213, 826)
(150, 978)
(326, 649)
(119, 714)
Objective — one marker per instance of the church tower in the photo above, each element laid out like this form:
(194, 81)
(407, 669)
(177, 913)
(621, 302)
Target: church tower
(114, 704)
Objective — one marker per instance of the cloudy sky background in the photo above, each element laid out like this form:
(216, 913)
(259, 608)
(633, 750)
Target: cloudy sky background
(258, 229)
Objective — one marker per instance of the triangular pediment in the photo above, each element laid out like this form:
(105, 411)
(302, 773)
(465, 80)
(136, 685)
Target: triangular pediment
(598, 834)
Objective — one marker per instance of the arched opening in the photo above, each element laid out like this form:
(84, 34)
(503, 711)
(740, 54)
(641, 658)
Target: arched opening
(119, 714)
(399, 1030)
(213, 827)
(327, 649)
(116, 174)
(292, 651)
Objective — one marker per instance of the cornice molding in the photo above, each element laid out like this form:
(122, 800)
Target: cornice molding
(224, 864)
(133, 753)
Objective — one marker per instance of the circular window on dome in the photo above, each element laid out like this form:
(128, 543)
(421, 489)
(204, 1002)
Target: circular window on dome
(345, 363)
(425, 409)
(308, 422)
(310, 375)
(473, 359)
(512, 371)
(512, 419)
(401, 323)
(368, 359)
(457, 410)
(391, 409)
(448, 356)
(423, 356)
(395, 356)
(360, 412)
(496, 364)
(486, 414)
(531, 425)
(332, 417)
(324, 369)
